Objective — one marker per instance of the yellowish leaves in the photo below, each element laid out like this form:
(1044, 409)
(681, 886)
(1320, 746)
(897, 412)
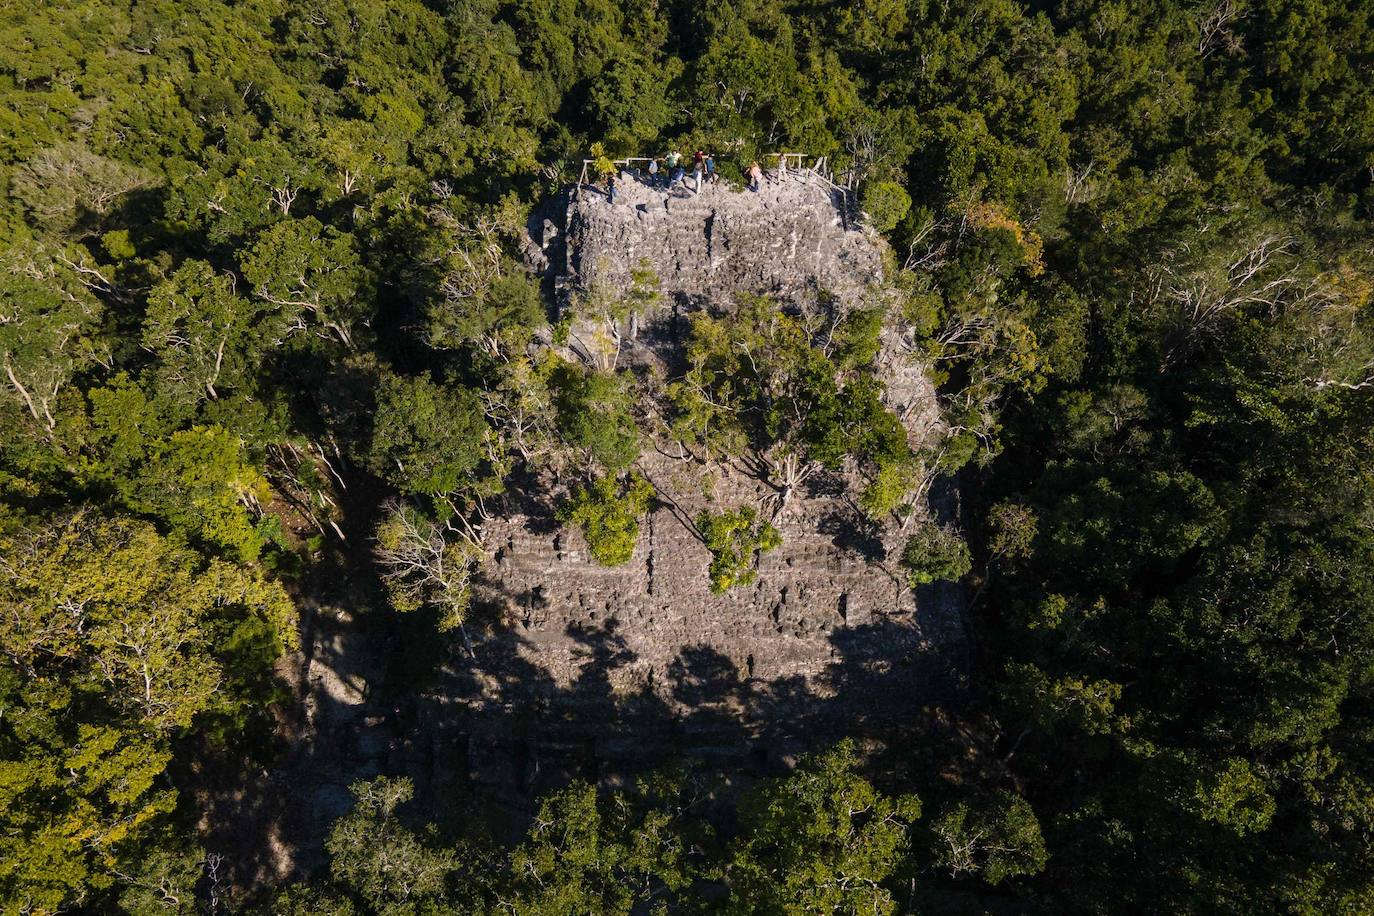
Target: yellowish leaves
(1348, 285)
(130, 609)
(427, 563)
(223, 583)
(989, 215)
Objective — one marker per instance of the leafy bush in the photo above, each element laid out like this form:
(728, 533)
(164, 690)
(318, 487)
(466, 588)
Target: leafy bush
(594, 415)
(935, 554)
(889, 489)
(427, 438)
(885, 202)
(608, 515)
(736, 539)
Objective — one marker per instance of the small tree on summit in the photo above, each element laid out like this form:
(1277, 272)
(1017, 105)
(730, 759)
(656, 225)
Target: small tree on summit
(759, 382)
(886, 203)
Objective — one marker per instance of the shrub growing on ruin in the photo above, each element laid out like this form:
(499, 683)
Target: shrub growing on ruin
(594, 415)
(757, 379)
(736, 540)
(608, 514)
(935, 554)
(890, 488)
(859, 338)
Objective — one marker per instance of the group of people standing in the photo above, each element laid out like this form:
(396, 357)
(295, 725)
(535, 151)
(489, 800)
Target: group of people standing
(674, 172)
(703, 167)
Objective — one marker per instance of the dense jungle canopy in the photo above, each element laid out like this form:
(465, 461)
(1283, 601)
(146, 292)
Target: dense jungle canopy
(260, 263)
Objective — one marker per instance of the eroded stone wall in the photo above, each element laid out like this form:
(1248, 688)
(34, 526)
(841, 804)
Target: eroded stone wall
(790, 239)
(597, 671)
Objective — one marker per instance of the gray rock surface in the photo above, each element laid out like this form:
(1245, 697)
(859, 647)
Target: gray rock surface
(790, 239)
(599, 671)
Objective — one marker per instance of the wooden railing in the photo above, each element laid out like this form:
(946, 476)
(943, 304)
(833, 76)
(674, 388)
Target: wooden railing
(794, 164)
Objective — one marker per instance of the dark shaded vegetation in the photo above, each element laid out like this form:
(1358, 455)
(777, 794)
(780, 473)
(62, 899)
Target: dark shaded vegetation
(260, 289)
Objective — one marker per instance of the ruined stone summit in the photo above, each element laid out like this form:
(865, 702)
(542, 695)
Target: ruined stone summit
(791, 239)
(596, 669)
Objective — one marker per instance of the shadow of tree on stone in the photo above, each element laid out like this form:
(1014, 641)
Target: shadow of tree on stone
(852, 533)
(527, 735)
(527, 710)
(528, 496)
